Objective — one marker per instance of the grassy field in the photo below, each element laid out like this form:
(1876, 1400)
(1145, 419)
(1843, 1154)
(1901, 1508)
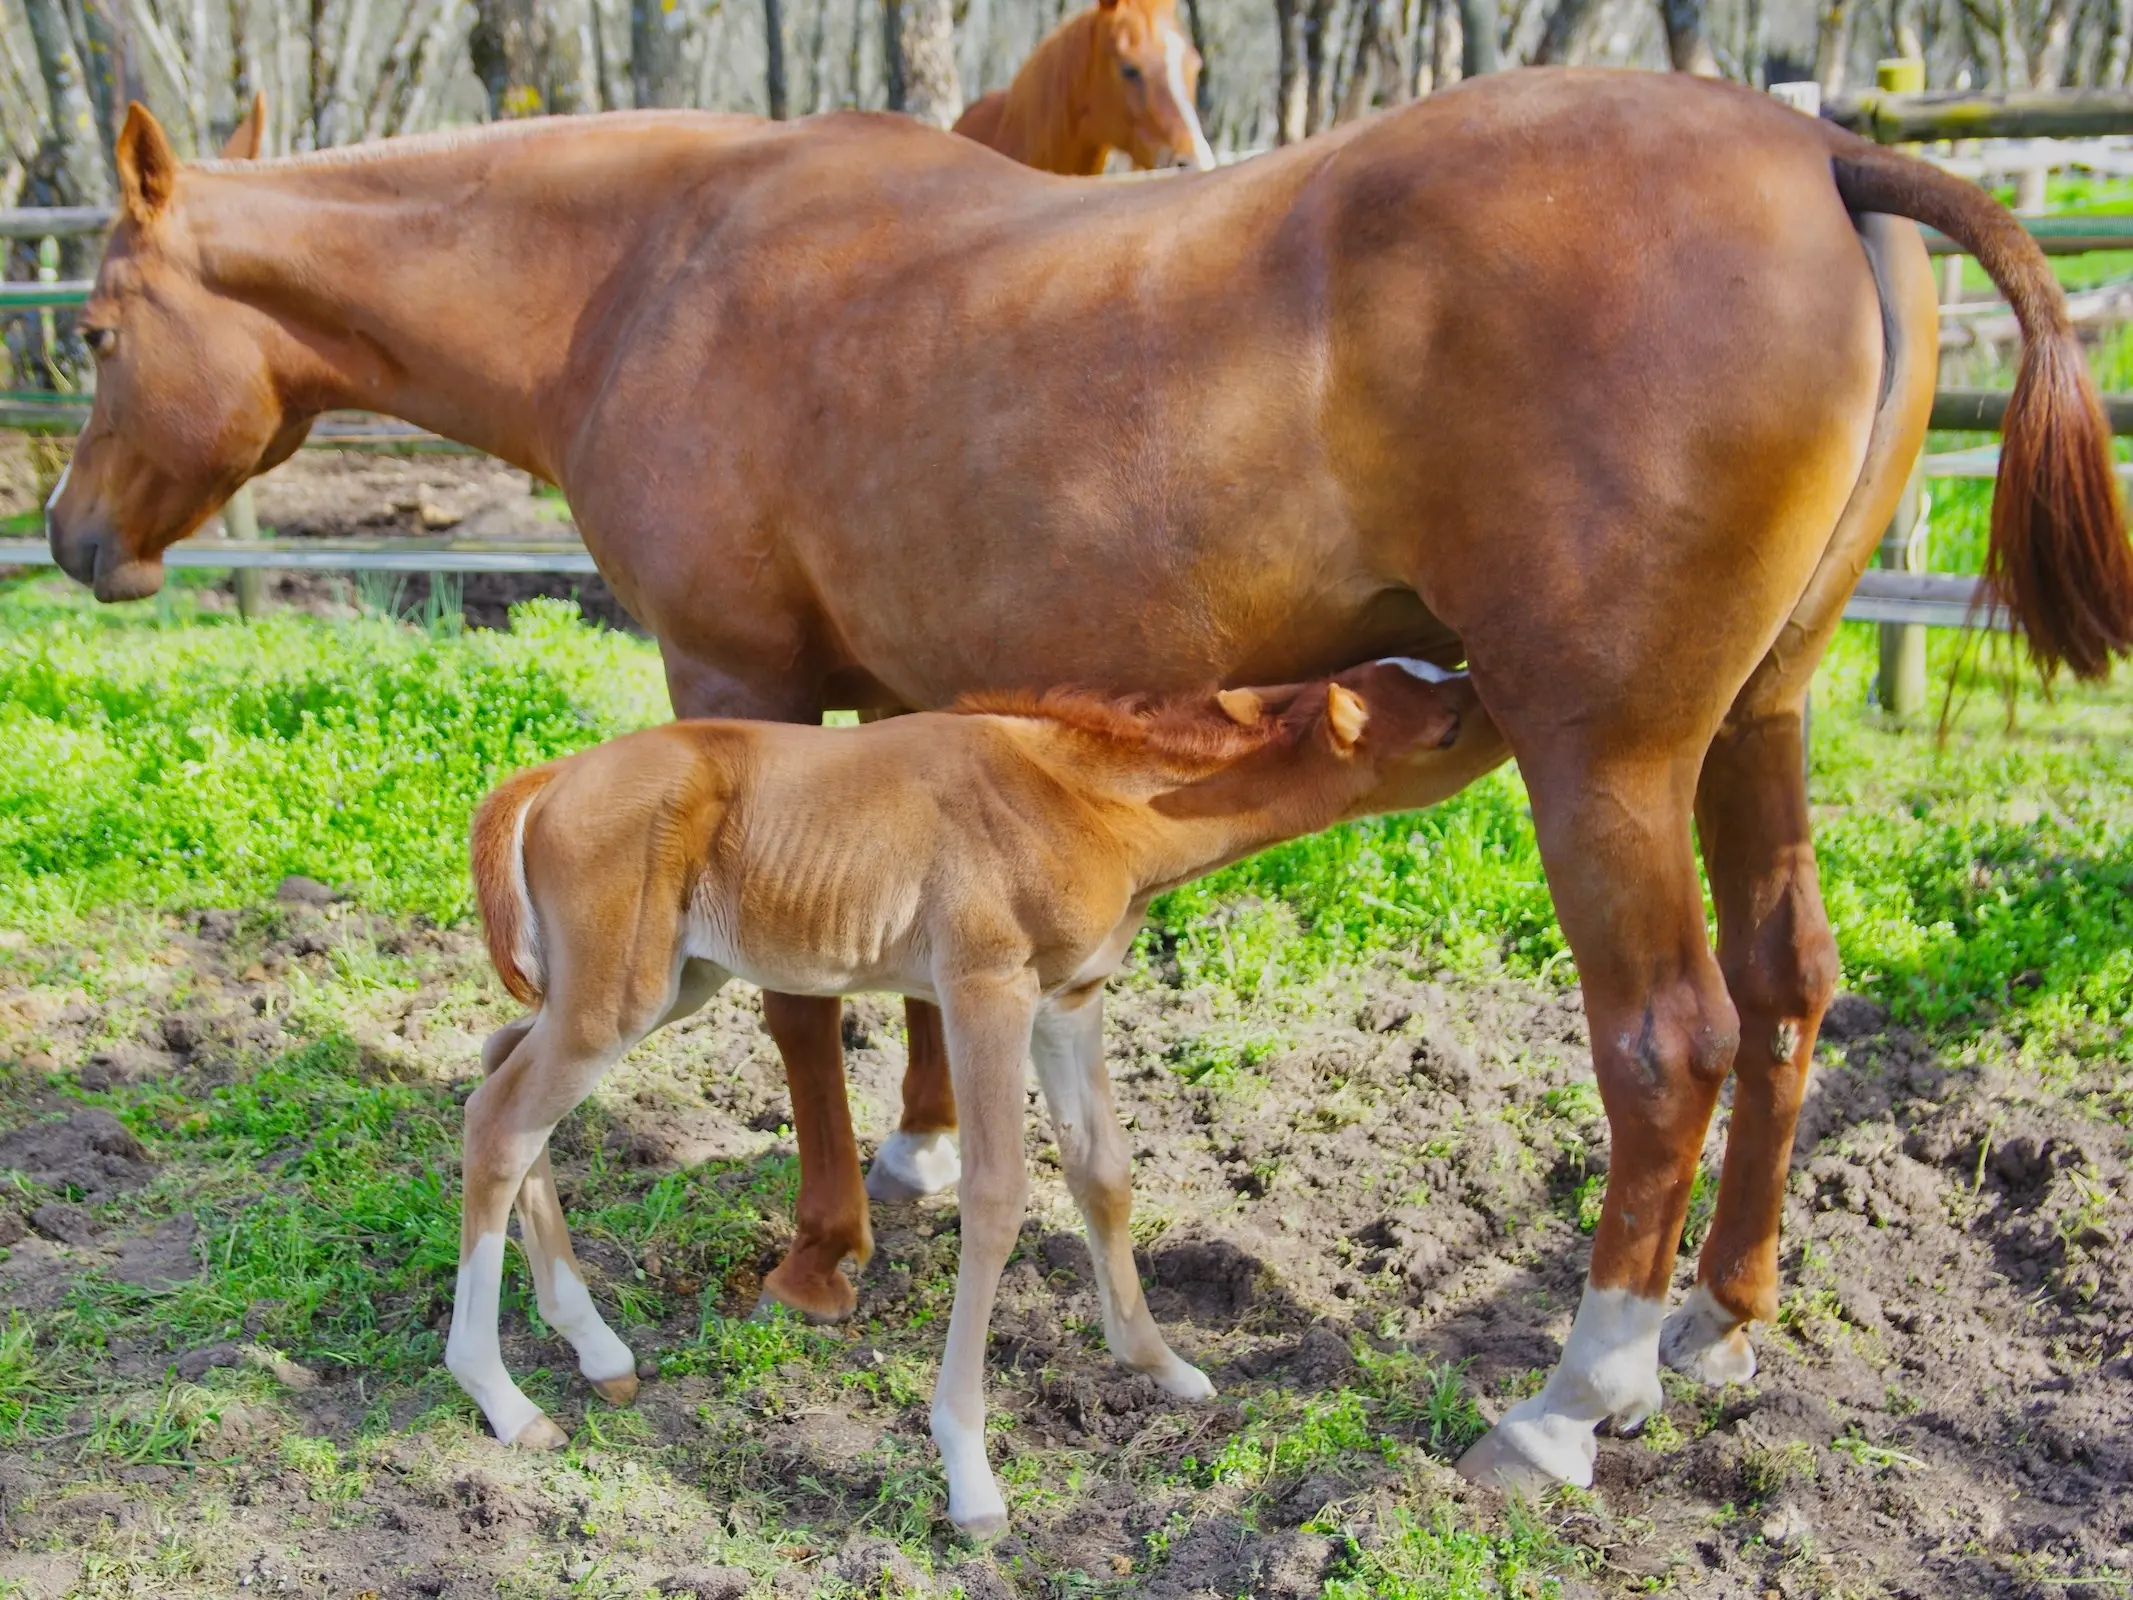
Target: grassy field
(162, 762)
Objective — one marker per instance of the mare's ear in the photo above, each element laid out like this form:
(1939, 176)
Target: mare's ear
(1346, 717)
(147, 166)
(1241, 706)
(248, 136)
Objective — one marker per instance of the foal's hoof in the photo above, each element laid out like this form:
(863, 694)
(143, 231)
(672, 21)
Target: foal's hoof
(539, 1434)
(1186, 1382)
(615, 1391)
(1703, 1341)
(984, 1520)
(1532, 1454)
(910, 1166)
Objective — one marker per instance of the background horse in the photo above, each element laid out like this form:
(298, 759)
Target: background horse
(1607, 382)
(1118, 76)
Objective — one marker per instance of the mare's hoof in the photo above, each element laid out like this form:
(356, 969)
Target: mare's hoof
(1703, 1341)
(910, 1166)
(539, 1434)
(616, 1391)
(981, 1522)
(816, 1303)
(1531, 1454)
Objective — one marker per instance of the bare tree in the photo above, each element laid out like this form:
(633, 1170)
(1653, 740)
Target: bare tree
(1291, 101)
(658, 53)
(2119, 54)
(76, 153)
(1318, 87)
(528, 59)
(920, 39)
(1688, 45)
(1562, 37)
(1478, 38)
(774, 58)
(411, 105)
(1376, 64)
(2048, 65)
(1833, 42)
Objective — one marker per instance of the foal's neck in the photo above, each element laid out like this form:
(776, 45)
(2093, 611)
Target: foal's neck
(452, 282)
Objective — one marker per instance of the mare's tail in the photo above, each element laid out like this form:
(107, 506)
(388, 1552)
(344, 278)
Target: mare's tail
(2057, 555)
(498, 838)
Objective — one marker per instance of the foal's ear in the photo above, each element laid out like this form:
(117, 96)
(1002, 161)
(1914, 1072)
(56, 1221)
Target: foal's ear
(1241, 706)
(147, 166)
(1346, 717)
(248, 136)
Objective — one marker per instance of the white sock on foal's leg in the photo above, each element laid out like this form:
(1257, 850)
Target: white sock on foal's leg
(602, 1357)
(474, 1353)
(1610, 1368)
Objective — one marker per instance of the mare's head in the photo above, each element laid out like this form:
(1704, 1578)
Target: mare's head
(1144, 74)
(187, 407)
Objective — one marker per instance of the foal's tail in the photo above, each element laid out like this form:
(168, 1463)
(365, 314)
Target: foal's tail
(498, 838)
(2057, 554)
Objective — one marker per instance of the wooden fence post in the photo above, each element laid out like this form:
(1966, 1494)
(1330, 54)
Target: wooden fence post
(1902, 678)
(240, 521)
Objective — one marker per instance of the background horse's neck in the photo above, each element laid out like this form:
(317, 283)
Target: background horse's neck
(447, 284)
(1045, 121)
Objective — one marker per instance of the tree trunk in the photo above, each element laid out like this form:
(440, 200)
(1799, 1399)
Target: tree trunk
(1444, 44)
(341, 122)
(1688, 46)
(1562, 39)
(1376, 60)
(1317, 28)
(399, 62)
(106, 44)
(1202, 94)
(1833, 39)
(510, 49)
(2120, 54)
(921, 43)
(411, 104)
(1478, 24)
(1291, 103)
(659, 39)
(2048, 70)
(1755, 45)
(79, 169)
(774, 58)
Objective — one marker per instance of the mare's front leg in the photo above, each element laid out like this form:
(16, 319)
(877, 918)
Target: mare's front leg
(1067, 1045)
(1614, 837)
(830, 1220)
(988, 1024)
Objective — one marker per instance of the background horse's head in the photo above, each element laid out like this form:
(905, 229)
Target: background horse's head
(1144, 73)
(187, 406)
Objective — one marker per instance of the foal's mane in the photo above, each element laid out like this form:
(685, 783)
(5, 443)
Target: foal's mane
(1189, 727)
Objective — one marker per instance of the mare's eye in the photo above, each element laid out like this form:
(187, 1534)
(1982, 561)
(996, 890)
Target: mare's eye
(1129, 72)
(101, 341)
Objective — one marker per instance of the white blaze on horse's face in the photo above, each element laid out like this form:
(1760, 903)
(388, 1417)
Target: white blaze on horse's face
(1427, 671)
(1174, 47)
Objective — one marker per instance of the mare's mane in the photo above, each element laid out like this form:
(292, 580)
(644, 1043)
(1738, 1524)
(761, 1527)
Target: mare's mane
(1187, 727)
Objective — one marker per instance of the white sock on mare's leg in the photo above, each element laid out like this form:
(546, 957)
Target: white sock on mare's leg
(474, 1352)
(1705, 1341)
(602, 1357)
(909, 1166)
(1610, 1368)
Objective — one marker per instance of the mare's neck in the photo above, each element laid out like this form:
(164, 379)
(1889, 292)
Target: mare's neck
(1045, 121)
(447, 282)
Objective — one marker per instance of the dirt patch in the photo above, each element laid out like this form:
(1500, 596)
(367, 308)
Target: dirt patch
(1395, 1171)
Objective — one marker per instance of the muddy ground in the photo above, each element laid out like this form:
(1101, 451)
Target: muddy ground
(1381, 1163)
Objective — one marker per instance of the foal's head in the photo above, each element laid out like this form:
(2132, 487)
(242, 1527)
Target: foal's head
(187, 407)
(1144, 73)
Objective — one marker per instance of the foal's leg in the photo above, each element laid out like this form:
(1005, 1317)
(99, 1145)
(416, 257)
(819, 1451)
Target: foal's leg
(919, 1158)
(988, 1041)
(546, 1070)
(1780, 962)
(1614, 837)
(558, 1281)
(1067, 1045)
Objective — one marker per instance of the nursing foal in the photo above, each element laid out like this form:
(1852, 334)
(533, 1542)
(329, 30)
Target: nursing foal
(996, 860)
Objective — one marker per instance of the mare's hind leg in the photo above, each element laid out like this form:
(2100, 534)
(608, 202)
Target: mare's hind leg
(1780, 963)
(558, 1280)
(1614, 836)
(1067, 1045)
(920, 1158)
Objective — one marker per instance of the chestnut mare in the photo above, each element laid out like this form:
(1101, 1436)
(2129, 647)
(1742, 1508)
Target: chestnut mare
(1606, 382)
(1118, 76)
